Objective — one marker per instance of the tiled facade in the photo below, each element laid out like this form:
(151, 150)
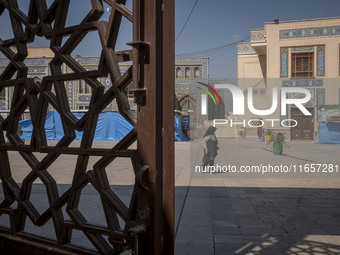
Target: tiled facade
(270, 60)
(258, 35)
(79, 95)
(78, 100)
(188, 72)
(309, 32)
(245, 48)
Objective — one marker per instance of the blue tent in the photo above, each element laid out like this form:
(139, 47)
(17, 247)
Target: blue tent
(179, 135)
(110, 126)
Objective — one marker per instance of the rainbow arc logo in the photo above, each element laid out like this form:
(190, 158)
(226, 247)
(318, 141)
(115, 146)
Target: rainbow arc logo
(209, 93)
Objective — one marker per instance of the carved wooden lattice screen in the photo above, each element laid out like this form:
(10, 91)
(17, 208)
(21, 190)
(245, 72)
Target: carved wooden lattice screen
(36, 95)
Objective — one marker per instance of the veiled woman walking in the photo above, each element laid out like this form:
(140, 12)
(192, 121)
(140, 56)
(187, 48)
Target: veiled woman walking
(210, 147)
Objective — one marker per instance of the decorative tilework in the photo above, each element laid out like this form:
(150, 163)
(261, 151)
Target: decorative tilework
(75, 99)
(320, 60)
(2, 105)
(123, 69)
(4, 62)
(303, 83)
(32, 75)
(186, 81)
(69, 70)
(184, 88)
(88, 61)
(309, 32)
(107, 82)
(257, 35)
(35, 61)
(284, 62)
(245, 48)
(70, 93)
(84, 98)
(10, 95)
(303, 49)
(320, 96)
(35, 70)
(29, 62)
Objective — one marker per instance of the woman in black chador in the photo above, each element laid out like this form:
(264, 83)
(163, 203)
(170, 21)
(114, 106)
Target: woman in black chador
(209, 147)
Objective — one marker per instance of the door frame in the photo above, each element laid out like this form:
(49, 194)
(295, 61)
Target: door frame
(311, 110)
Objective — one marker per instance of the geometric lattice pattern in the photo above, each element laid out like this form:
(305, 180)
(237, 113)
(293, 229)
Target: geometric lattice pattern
(309, 32)
(36, 95)
(320, 96)
(245, 48)
(303, 49)
(302, 83)
(320, 60)
(258, 35)
(284, 62)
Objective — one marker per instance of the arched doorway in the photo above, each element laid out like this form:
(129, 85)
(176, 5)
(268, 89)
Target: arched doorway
(189, 106)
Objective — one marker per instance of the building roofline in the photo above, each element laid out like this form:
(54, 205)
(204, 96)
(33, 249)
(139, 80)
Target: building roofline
(189, 58)
(302, 20)
(256, 29)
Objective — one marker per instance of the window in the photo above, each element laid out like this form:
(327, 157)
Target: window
(83, 107)
(187, 104)
(84, 88)
(197, 72)
(178, 72)
(302, 65)
(187, 72)
(3, 94)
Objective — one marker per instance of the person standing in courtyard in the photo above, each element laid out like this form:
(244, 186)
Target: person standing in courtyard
(210, 147)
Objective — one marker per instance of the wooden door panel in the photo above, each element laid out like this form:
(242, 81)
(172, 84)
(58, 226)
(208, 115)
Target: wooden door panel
(296, 131)
(307, 127)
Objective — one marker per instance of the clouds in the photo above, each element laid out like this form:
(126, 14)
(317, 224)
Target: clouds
(236, 37)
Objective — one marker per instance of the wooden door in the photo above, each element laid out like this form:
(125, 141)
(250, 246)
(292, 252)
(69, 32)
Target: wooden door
(305, 128)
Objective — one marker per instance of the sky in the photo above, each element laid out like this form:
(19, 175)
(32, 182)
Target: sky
(220, 22)
(213, 23)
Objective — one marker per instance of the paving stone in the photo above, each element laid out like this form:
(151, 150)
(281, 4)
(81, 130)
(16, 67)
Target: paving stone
(227, 222)
(227, 248)
(194, 248)
(244, 210)
(256, 231)
(249, 220)
(222, 215)
(222, 227)
(220, 238)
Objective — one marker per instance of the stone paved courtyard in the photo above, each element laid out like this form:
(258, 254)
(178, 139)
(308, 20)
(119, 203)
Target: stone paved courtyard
(226, 213)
